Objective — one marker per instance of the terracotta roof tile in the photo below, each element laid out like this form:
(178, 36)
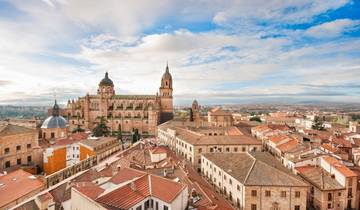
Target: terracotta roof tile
(159, 150)
(278, 138)
(89, 189)
(126, 174)
(339, 166)
(134, 192)
(17, 184)
(329, 148)
(288, 145)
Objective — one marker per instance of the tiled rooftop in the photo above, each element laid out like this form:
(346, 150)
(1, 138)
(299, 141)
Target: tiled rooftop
(17, 184)
(255, 168)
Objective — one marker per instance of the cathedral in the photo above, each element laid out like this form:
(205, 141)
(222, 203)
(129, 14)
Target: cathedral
(125, 112)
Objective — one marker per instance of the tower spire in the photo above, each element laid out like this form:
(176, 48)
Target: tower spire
(167, 67)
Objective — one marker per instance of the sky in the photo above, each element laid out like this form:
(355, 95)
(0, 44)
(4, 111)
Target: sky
(218, 51)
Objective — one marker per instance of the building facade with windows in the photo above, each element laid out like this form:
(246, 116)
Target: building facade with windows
(190, 141)
(125, 112)
(254, 181)
(19, 147)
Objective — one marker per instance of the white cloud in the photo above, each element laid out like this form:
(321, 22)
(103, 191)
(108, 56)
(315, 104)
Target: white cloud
(108, 36)
(332, 29)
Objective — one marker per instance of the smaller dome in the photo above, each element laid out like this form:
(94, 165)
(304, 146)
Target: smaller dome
(54, 122)
(106, 81)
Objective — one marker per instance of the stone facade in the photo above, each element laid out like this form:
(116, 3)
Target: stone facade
(253, 183)
(190, 141)
(125, 112)
(19, 147)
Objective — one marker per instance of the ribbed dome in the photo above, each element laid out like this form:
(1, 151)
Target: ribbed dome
(106, 81)
(54, 122)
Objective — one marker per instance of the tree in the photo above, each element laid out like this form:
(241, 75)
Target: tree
(255, 119)
(318, 124)
(135, 135)
(119, 134)
(77, 129)
(101, 129)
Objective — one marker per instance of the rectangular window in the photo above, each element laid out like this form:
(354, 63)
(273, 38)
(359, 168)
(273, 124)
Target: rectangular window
(230, 181)
(238, 187)
(18, 161)
(243, 149)
(200, 150)
(253, 206)
(211, 150)
(296, 207)
(139, 208)
(227, 149)
(147, 205)
(166, 208)
(267, 193)
(29, 159)
(283, 194)
(235, 149)
(28, 146)
(253, 193)
(297, 194)
(7, 150)
(7, 164)
(18, 147)
(329, 196)
(156, 205)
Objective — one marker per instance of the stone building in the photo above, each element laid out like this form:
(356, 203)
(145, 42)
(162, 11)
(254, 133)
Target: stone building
(19, 148)
(254, 181)
(220, 118)
(125, 112)
(190, 141)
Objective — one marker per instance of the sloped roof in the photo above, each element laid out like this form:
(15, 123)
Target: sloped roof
(218, 111)
(255, 168)
(198, 139)
(147, 185)
(339, 166)
(89, 189)
(17, 184)
(126, 174)
(9, 129)
(318, 177)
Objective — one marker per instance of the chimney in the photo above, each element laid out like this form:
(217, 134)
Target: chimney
(150, 184)
(132, 186)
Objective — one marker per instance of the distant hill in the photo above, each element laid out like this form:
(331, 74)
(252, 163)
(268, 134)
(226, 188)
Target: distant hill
(22, 112)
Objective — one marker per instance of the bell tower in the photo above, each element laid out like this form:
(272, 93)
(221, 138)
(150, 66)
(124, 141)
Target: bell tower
(106, 87)
(166, 98)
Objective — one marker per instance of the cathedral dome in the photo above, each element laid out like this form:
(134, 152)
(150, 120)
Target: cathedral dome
(55, 121)
(106, 81)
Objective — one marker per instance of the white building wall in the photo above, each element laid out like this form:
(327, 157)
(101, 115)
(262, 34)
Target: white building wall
(80, 202)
